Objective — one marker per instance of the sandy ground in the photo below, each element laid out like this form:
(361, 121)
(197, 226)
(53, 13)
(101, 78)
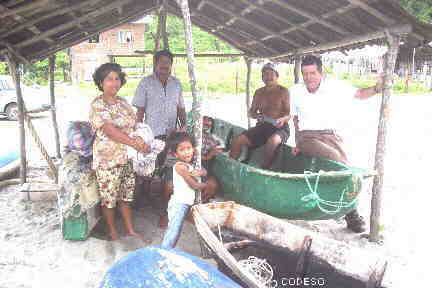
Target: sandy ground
(34, 254)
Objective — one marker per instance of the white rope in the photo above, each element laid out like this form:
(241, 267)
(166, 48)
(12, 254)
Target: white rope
(259, 269)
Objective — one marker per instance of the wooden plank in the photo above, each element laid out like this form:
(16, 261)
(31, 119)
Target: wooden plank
(24, 8)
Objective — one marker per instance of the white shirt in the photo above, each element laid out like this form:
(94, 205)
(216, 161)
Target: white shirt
(182, 193)
(160, 103)
(327, 108)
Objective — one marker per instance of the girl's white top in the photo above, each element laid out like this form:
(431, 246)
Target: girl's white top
(183, 193)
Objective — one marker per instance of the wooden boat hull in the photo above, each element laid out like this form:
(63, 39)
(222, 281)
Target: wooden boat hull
(286, 193)
(328, 260)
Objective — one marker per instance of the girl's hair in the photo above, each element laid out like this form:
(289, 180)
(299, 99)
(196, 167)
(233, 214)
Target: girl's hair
(175, 138)
(103, 70)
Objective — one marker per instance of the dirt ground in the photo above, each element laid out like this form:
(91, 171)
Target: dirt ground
(34, 254)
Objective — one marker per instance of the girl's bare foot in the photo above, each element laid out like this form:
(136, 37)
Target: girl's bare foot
(163, 221)
(136, 235)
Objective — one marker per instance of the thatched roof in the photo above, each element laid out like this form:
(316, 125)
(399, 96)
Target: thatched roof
(33, 29)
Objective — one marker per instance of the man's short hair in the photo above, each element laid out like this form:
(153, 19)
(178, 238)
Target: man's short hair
(312, 60)
(161, 53)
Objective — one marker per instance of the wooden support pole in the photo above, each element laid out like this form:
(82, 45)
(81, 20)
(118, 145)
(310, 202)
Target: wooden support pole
(297, 69)
(13, 70)
(164, 25)
(196, 105)
(51, 68)
(248, 78)
(389, 65)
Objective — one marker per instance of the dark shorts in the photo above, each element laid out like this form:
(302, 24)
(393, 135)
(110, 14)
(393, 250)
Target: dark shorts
(259, 134)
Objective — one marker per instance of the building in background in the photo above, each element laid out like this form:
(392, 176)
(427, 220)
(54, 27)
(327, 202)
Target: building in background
(88, 55)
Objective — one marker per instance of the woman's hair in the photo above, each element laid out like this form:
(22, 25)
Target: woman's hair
(161, 53)
(212, 122)
(103, 70)
(312, 60)
(175, 138)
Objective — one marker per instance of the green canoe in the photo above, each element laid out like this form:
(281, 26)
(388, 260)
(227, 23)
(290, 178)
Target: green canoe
(302, 188)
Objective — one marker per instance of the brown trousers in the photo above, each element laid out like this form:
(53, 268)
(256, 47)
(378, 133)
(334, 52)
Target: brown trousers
(321, 143)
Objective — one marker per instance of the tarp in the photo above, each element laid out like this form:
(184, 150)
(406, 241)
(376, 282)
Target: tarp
(158, 267)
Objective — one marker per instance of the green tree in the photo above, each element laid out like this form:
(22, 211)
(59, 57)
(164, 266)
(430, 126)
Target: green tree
(202, 40)
(422, 9)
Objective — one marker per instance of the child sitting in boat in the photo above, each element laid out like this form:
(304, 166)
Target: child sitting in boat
(185, 184)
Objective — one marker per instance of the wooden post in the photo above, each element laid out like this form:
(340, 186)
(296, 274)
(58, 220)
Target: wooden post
(389, 65)
(13, 70)
(297, 69)
(248, 78)
(53, 110)
(164, 25)
(196, 105)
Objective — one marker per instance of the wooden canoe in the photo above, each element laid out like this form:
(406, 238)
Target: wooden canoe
(298, 187)
(291, 251)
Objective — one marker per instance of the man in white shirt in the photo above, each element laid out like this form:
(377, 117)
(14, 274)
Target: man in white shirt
(316, 106)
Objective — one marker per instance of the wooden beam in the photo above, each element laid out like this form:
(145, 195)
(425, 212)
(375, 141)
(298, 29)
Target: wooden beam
(12, 50)
(253, 24)
(33, 6)
(248, 78)
(71, 24)
(398, 30)
(313, 21)
(71, 42)
(13, 66)
(164, 25)
(312, 17)
(281, 19)
(378, 14)
(297, 69)
(149, 52)
(224, 36)
(390, 61)
(56, 12)
(51, 67)
(196, 105)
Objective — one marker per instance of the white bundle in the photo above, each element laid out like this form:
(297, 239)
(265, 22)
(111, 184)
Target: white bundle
(144, 163)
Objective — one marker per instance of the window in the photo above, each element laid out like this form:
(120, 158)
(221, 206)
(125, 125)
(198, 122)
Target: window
(94, 39)
(125, 36)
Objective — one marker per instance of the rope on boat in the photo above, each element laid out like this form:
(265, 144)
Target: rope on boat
(315, 199)
(259, 269)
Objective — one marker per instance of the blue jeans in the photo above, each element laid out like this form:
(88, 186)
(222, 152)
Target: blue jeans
(176, 215)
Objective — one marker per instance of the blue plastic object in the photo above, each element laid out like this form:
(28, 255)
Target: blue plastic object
(7, 157)
(159, 267)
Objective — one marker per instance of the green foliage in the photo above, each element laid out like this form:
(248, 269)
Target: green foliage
(3, 68)
(202, 41)
(422, 9)
(38, 72)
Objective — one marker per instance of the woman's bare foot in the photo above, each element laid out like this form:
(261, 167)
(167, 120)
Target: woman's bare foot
(114, 236)
(163, 221)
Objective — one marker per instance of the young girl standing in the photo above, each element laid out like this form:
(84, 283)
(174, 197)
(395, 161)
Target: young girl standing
(185, 185)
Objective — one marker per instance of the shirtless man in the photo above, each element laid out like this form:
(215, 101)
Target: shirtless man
(271, 107)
